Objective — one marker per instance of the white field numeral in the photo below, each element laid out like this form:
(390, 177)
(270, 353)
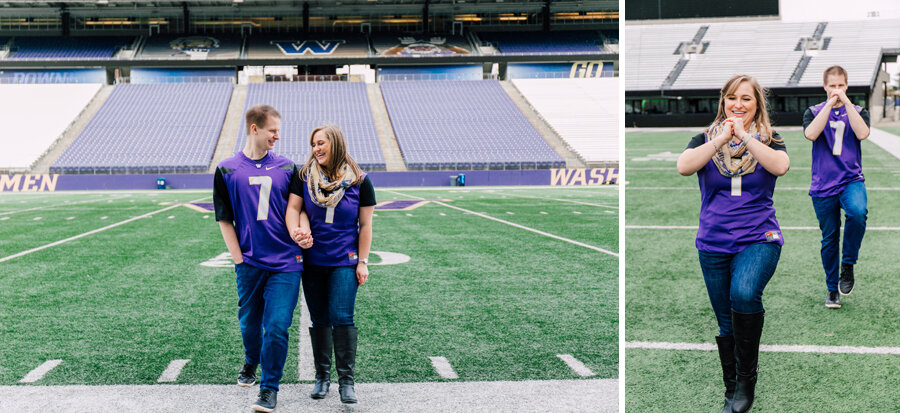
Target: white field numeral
(265, 188)
(736, 185)
(838, 126)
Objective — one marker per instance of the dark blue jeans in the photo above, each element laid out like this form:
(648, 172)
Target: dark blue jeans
(828, 210)
(266, 302)
(330, 294)
(736, 281)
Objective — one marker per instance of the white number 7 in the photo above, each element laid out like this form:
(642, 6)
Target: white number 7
(838, 126)
(265, 188)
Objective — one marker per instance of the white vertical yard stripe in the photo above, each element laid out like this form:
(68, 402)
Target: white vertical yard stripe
(40, 371)
(546, 234)
(564, 200)
(576, 365)
(305, 368)
(63, 241)
(443, 367)
(170, 375)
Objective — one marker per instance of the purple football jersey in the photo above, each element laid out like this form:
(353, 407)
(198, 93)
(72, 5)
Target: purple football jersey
(733, 218)
(335, 244)
(836, 153)
(258, 192)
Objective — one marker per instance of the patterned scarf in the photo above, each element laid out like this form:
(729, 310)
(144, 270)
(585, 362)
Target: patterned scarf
(733, 159)
(323, 192)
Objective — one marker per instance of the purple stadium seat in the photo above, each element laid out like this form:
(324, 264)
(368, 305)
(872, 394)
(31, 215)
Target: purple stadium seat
(460, 124)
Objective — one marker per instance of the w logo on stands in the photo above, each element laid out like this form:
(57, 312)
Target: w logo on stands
(314, 47)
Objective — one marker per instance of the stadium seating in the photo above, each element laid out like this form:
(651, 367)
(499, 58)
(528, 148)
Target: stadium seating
(772, 57)
(307, 105)
(584, 112)
(34, 116)
(67, 47)
(145, 128)
(463, 124)
(541, 42)
(649, 50)
(856, 46)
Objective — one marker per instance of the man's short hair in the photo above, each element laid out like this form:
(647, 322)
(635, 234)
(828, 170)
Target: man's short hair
(259, 115)
(835, 70)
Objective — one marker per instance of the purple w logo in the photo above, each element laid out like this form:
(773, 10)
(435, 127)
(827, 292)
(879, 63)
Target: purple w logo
(314, 47)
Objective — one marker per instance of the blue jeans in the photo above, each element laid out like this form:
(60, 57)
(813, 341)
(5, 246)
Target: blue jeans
(266, 302)
(828, 210)
(330, 294)
(736, 281)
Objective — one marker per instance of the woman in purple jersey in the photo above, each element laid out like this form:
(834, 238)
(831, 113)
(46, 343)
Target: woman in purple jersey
(340, 200)
(739, 241)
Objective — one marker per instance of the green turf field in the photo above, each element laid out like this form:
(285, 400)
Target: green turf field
(666, 299)
(499, 302)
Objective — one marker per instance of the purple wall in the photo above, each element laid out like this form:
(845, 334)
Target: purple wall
(557, 177)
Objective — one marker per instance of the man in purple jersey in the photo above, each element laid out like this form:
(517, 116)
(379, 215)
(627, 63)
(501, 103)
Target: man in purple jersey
(836, 128)
(251, 192)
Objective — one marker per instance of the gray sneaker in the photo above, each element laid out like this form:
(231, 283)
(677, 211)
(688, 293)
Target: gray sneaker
(247, 376)
(833, 299)
(266, 401)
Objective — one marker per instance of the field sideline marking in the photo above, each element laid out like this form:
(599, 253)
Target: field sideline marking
(443, 367)
(773, 348)
(561, 200)
(40, 371)
(546, 234)
(170, 375)
(59, 205)
(63, 241)
(782, 228)
(576, 365)
(305, 368)
(790, 188)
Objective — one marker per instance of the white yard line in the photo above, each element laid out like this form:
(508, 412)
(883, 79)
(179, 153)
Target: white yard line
(305, 368)
(576, 365)
(694, 227)
(40, 371)
(546, 234)
(578, 395)
(443, 367)
(773, 348)
(63, 241)
(170, 375)
(561, 200)
(61, 205)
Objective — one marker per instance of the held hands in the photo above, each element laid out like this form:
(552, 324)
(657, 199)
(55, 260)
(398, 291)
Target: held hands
(303, 238)
(362, 273)
(726, 133)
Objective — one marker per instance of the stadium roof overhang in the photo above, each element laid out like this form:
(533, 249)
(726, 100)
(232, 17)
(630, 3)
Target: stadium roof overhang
(98, 8)
(308, 61)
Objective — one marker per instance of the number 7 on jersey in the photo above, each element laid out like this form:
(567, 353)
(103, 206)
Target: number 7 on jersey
(265, 189)
(838, 126)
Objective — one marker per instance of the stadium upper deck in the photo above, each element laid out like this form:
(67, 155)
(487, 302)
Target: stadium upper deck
(699, 56)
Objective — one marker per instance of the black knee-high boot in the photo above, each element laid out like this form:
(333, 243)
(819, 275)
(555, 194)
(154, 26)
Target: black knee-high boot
(321, 338)
(747, 331)
(729, 373)
(345, 360)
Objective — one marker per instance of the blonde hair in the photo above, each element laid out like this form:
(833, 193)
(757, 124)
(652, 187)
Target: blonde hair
(761, 118)
(337, 154)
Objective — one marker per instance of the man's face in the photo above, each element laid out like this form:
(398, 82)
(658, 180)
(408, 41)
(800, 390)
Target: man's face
(834, 82)
(266, 135)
